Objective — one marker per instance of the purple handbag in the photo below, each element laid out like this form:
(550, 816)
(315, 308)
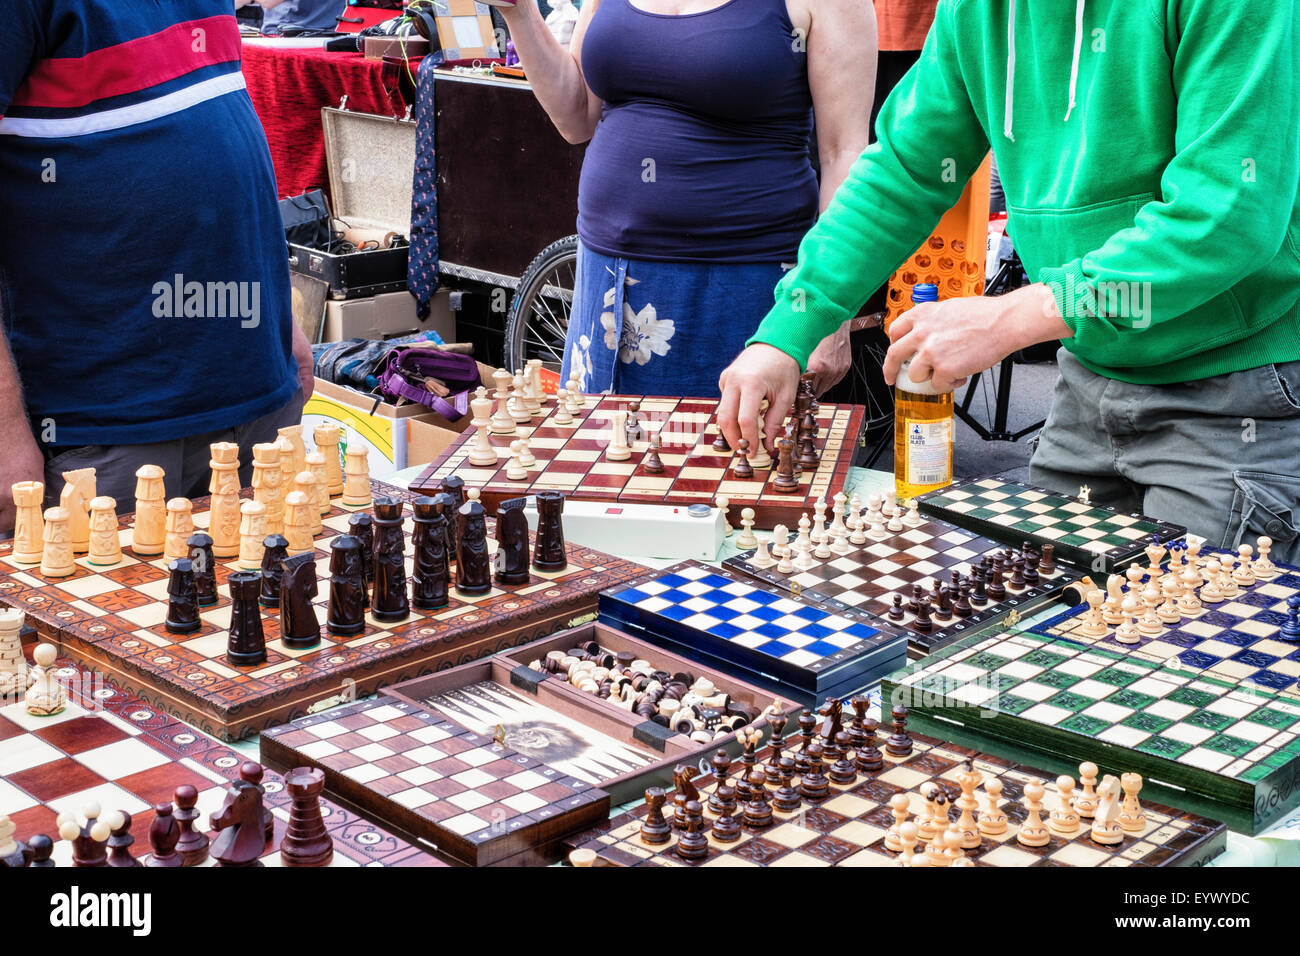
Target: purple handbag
(408, 369)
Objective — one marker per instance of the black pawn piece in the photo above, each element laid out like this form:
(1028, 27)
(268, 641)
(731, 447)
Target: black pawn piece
(41, 847)
(693, 844)
(299, 626)
(961, 607)
(654, 828)
(182, 598)
(246, 645)
(814, 785)
(431, 573)
(362, 527)
(1290, 630)
(742, 468)
(274, 550)
(995, 588)
(899, 743)
(193, 842)
(895, 612)
(653, 464)
(119, 844)
(390, 600)
(512, 543)
(807, 730)
(757, 813)
(726, 828)
(549, 555)
(720, 442)
(843, 772)
(164, 833)
(347, 605)
(786, 799)
(808, 459)
(868, 758)
(979, 592)
(1031, 562)
(205, 568)
(473, 566)
(1017, 580)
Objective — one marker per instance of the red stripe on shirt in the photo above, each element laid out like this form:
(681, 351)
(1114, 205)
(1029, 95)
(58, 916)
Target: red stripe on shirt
(71, 82)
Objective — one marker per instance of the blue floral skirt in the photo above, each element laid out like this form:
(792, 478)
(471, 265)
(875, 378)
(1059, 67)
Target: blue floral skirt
(662, 328)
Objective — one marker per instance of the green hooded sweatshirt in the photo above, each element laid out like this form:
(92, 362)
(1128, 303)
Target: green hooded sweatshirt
(1150, 153)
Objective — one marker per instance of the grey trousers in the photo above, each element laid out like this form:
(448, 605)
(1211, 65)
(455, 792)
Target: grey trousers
(185, 460)
(1220, 455)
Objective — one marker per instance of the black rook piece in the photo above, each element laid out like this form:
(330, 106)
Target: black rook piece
(362, 527)
(550, 554)
(429, 578)
(473, 568)
(347, 604)
(299, 627)
(512, 543)
(390, 602)
(274, 550)
(183, 599)
(205, 571)
(306, 842)
(247, 643)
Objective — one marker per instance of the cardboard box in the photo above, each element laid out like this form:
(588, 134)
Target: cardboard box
(386, 316)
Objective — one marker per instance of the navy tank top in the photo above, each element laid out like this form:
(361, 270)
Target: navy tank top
(702, 150)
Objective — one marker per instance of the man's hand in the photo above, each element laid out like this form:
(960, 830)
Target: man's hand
(22, 461)
(949, 341)
(830, 360)
(759, 372)
(306, 363)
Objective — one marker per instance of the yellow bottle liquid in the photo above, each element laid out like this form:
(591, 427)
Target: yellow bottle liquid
(924, 429)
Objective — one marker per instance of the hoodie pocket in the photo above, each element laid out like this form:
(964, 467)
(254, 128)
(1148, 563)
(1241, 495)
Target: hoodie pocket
(1265, 504)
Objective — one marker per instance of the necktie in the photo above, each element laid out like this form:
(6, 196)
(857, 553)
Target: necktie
(422, 267)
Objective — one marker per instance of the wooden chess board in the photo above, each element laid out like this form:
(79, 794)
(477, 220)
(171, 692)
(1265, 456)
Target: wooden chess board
(1236, 640)
(1232, 751)
(114, 749)
(848, 827)
(112, 618)
(864, 581)
(571, 458)
(806, 650)
(1091, 537)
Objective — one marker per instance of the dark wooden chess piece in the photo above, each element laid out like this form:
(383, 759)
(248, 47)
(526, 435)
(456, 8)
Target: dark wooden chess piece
(899, 744)
(241, 836)
(40, 847)
(654, 828)
(785, 481)
(299, 626)
(182, 598)
(473, 566)
(453, 486)
(721, 763)
(843, 771)
(692, 844)
(994, 587)
(446, 506)
(786, 799)
(720, 442)
(1290, 629)
(1017, 580)
(306, 841)
(512, 543)
(807, 730)
(726, 828)
(858, 727)
(776, 741)
(431, 573)
(252, 772)
(120, 842)
(549, 555)
(757, 813)
(652, 464)
(814, 785)
(979, 595)
(275, 548)
(86, 850)
(205, 568)
(832, 714)
(1047, 560)
(362, 527)
(867, 757)
(389, 599)
(808, 458)
(895, 613)
(193, 842)
(914, 603)
(633, 428)
(1031, 563)
(246, 645)
(923, 623)
(961, 607)
(346, 614)
(742, 469)
(164, 833)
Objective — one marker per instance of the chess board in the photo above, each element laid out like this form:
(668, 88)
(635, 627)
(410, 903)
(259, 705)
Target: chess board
(571, 458)
(805, 649)
(848, 827)
(864, 581)
(1091, 537)
(1230, 751)
(1236, 640)
(112, 618)
(120, 752)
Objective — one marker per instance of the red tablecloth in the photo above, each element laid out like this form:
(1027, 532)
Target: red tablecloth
(290, 86)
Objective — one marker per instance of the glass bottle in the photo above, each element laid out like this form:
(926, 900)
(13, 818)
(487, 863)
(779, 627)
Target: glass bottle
(923, 427)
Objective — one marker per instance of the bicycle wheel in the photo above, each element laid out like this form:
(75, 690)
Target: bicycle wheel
(539, 314)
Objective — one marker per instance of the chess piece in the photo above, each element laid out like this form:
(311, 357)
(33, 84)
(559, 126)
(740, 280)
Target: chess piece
(867, 756)
(992, 819)
(1064, 818)
(746, 539)
(1106, 828)
(1150, 624)
(512, 543)
(785, 482)
(652, 464)
(223, 506)
(78, 493)
(246, 644)
(327, 435)
(473, 568)
(502, 422)
(105, 548)
(193, 842)
(1032, 833)
(633, 429)
(299, 588)
(515, 470)
(288, 473)
(526, 456)
(164, 833)
(45, 696)
(898, 804)
(762, 558)
(13, 664)
(938, 826)
(320, 489)
(720, 443)
(1084, 495)
(306, 841)
(549, 553)
(1290, 629)
(431, 573)
(907, 838)
(724, 504)
(298, 448)
(267, 485)
(89, 840)
(275, 548)
(1086, 802)
(199, 548)
(56, 556)
(899, 743)
(29, 522)
(655, 830)
(346, 615)
(183, 598)
(1168, 612)
(252, 534)
(149, 533)
(389, 599)
(967, 829)
(1110, 611)
(518, 404)
(742, 469)
(1131, 816)
(1210, 591)
(692, 844)
(362, 527)
(815, 785)
(1263, 567)
(120, 841)
(481, 452)
(1129, 632)
(617, 449)
(1092, 624)
(241, 837)
(562, 416)
(304, 482)
(356, 477)
(298, 521)
(843, 772)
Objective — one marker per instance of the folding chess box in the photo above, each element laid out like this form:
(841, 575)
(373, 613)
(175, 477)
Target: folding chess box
(795, 646)
(493, 762)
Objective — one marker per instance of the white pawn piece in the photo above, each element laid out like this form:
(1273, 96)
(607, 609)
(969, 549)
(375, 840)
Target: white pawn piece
(1128, 632)
(857, 528)
(1086, 802)
(839, 541)
(819, 521)
(992, 819)
(502, 422)
(29, 521)
(356, 477)
(1032, 832)
(898, 804)
(515, 470)
(78, 491)
(935, 850)
(907, 839)
(1263, 567)
(56, 558)
(1064, 818)
(895, 524)
(955, 853)
(1168, 612)
(724, 505)
(1150, 623)
(105, 543)
(803, 559)
(518, 405)
(837, 524)
(746, 539)
(305, 482)
(761, 558)
(618, 449)
(252, 532)
(327, 435)
(149, 533)
(298, 523)
(13, 665)
(577, 400)
(321, 492)
(1228, 585)
(1131, 815)
(268, 482)
(927, 823)
(223, 506)
(1106, 827)
(1092, 624)
(1244, 573)
(890, 502)
(785, 565)
(481, 452)
(1190, 579)
(877, 530)
(1210, 591)
(526, 456)
(1084, 495)
(1111, 611)
(46, 696)
(180, 525)
(874, 508)
(562, 416)
(823, 548)
(780, 540)
(913, 517)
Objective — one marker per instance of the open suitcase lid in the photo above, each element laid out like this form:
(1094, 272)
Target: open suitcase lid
(371, 163)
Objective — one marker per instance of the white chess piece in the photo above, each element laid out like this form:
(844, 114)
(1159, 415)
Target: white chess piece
(13, 665)
(819, 521)
(46, 696)
(515, 470)
(1111, 611)
(895, 524)
(481, 452)
(913, 518)
(501, 422)
(724, 504)
(1085, 495)
(1244, 573)
(562, 414)
(746, 539)
(762, 558)
(1093, 624)
(1263, 567)
(526, 456)
(837, 521)
(780, 540)
(618, 449)
(840, 542)
(803, 542)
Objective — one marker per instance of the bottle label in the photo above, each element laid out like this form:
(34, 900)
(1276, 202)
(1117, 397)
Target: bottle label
(929, 452)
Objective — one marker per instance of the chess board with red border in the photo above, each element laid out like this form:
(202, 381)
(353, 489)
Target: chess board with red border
(571, 458)
(112, 619)
(111, 748)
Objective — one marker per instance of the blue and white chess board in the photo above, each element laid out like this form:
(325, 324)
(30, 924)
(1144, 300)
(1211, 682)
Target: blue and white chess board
(775, 639)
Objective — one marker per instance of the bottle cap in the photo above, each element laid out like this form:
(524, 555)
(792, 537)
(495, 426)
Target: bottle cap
(907, 384)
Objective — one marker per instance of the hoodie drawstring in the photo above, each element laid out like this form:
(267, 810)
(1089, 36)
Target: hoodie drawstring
(1007, 123)
(1078, 47)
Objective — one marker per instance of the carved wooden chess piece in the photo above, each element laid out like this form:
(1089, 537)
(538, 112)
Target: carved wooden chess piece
(512, 543)
(549, 555)
(180, 525)
(275, 548)
(362, 527)
(306, 841)
(693, 844)
(183, 598)
(164, 833)
(241, 834)
(431, 572)
(299, 588)
(193, 842)
(120, 841)
(390, 599)
(347, 604)
(655, 830)
(327, 436)
(787, 799)
(473, 566)
(203, 561)
(246, 644)
(90, 839)
(899, 743)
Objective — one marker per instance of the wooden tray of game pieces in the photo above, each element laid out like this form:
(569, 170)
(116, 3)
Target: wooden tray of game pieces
(862, 584)
(848, 827)
(571, 459)
(1090, 537)
(1215, 747)
(111, 747)
(112, 619)
(795, 645)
